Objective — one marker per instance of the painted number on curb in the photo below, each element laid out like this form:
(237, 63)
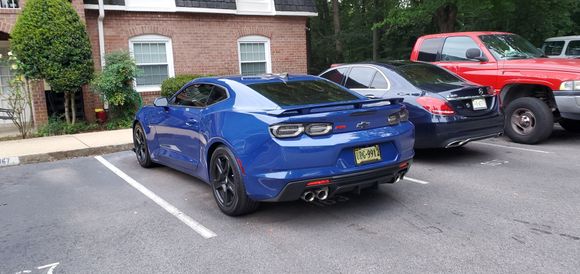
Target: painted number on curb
(9, 161)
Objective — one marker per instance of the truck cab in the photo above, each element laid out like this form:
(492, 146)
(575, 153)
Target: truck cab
(535, 91)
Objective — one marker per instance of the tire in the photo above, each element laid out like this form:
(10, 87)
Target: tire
(141, 147)
(227, 184)
(570, 125)
(528, 121)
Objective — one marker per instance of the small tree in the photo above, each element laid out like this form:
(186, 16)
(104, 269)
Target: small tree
(52, 43)
(115, 84)
(19, 98)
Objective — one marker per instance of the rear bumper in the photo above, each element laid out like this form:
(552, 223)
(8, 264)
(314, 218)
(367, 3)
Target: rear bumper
(345, 182)
(277, 163)
(457, 133)
(568, 103)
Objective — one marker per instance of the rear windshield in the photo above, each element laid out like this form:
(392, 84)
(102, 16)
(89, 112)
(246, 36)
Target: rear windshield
(421, 75)
(296, 93)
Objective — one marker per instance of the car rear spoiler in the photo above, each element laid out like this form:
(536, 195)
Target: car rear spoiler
(317, 108)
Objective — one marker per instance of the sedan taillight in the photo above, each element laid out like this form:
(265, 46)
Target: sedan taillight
(436, 105)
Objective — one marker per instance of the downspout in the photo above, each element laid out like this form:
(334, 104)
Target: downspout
(101, 30)
(101, 33)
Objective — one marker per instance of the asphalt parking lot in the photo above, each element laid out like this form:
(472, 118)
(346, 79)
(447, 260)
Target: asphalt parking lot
(493, 206)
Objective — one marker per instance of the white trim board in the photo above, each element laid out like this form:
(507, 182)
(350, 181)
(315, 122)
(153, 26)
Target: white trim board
(202, 10)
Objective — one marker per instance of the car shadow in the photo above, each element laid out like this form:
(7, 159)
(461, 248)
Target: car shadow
(369, 202)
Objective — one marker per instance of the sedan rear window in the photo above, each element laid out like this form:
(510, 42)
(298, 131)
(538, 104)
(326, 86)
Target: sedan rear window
(422, 75)
(295, 93)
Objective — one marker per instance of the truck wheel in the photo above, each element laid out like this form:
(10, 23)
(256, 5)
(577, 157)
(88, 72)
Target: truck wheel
(528, 121)
(570, 125)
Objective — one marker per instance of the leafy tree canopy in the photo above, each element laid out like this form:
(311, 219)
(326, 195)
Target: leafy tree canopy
(52, 44)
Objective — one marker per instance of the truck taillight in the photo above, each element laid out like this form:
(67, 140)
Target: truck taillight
(436, 105)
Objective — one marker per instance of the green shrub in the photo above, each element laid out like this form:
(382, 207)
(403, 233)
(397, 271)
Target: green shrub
(56, 126)
(172, 85)
(115, 84)
(119, 123)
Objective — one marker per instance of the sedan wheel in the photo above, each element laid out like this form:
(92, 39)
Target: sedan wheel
(227, 184)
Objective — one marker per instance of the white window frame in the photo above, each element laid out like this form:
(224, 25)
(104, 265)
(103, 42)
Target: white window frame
(151, 38)
(5, 45)
(256, 39)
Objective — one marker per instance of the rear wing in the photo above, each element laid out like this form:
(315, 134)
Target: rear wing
(329, 107)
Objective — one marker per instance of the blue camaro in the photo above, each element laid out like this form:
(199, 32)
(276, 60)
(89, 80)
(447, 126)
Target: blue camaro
(275, 138)
(447, 111)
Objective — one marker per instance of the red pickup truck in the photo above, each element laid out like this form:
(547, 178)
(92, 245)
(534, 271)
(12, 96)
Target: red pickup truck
(534, 91)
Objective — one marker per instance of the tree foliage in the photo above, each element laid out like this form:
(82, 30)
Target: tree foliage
(52, 43)
(115, 84)
(398, 23)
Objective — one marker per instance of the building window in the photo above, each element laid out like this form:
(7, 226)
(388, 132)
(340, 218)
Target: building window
(154, 57)
(254, 55)
(5, 72)
(9, 4)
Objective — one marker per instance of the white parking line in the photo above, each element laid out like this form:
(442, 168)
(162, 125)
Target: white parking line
(510, 147)
(415, 180)
(197, 227)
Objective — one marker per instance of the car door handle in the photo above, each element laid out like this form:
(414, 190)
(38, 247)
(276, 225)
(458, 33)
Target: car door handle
(191, 122)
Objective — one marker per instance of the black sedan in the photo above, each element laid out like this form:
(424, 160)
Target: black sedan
(447, 111)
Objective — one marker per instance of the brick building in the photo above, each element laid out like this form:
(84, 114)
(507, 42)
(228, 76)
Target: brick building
(173, 37)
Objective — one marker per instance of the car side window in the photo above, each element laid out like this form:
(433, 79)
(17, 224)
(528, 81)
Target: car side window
(380, 82)
(573, 48)
(455, 48)
(196, 95)
(335, 75)
(430, 49)
(360, 77)
(218, 94)
(553, 48)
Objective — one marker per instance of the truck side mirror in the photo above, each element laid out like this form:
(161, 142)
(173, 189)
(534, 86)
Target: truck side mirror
(161, 102)
(475, 54)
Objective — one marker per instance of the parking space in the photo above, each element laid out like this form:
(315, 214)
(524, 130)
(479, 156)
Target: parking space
(493, 206)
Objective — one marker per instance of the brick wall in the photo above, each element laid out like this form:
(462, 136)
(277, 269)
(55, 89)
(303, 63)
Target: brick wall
(205, 43)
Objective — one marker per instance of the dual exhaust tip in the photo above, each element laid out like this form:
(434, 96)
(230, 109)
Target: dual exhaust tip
(311, 195)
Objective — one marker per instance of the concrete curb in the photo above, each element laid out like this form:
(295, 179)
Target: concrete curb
(62, 155)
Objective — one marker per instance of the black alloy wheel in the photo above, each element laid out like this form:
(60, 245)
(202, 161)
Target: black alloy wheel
(227, 185)
(141, 148)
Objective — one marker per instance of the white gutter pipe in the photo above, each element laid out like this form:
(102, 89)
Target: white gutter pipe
(101, 29)
(101, 33)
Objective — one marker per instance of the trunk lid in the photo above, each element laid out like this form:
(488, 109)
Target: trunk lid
(471, 101)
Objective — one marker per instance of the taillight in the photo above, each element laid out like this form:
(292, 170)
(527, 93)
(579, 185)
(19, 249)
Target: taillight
(294, 130)
(435, 105)
(404, 115)
(318, 129)
(287, 130)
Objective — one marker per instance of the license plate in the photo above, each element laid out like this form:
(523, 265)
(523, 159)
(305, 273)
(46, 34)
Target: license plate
(479, 104)
(364, 155)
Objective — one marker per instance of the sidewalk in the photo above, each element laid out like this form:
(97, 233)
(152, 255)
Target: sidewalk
(65, 146)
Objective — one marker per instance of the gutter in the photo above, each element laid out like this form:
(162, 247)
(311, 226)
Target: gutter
(101, 30)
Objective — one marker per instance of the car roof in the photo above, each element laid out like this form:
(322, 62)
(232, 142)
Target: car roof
(466, 33)
(390, 64)
(562, 38)
(260, 79)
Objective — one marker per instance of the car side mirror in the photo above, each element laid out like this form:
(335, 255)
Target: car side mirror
(161, 102)
(475, 54)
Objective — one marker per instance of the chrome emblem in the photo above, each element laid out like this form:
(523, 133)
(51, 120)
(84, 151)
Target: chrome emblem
(481, 91)
(363, 124)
